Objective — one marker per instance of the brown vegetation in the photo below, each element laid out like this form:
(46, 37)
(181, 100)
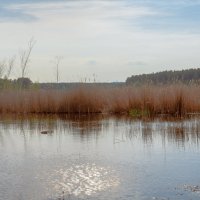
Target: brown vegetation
(176, 100)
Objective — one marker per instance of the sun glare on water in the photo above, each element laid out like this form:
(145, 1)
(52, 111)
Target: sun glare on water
(82, 180)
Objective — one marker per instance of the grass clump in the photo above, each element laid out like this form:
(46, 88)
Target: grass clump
(139, 113)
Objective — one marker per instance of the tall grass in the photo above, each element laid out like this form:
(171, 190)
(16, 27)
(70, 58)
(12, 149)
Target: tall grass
(176, 100)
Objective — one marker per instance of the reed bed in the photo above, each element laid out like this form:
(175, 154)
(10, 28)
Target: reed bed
(176, 100)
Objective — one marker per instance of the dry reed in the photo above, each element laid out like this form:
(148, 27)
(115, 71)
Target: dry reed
(176, 100)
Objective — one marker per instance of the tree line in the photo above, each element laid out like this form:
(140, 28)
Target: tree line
(166, 77)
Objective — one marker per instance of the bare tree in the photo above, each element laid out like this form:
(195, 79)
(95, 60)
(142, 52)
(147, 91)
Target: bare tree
(57, 64)
(25, 57)
(2, 67)
(11, 63)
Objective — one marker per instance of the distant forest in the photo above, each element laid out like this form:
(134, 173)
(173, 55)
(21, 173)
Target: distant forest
(26, 83)
(166, 77)
(64, 86)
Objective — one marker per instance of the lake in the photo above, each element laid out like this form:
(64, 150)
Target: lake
(99, 157)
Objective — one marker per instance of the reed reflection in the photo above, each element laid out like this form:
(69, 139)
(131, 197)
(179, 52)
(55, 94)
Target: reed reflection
(180, 132)
(87, 127)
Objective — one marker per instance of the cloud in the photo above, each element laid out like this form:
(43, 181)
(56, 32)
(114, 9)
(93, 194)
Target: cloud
(92, 62)
(145, 15)
(7, 14)
(101, 10)
(136, 63)
(113, 39)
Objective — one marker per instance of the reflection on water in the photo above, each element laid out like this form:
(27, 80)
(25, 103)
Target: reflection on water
(179, 132)
(98, 157)
(81, 180)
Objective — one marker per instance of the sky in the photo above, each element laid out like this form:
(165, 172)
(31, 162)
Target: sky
(108, 40)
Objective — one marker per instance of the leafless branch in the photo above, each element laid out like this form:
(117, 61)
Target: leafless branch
(25, 57)
(11, 63)
(2, 67)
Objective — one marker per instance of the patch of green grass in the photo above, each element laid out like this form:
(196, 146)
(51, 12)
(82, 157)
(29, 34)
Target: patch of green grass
(139, 113)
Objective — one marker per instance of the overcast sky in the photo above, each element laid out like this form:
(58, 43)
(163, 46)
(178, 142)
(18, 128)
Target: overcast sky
(112, 39)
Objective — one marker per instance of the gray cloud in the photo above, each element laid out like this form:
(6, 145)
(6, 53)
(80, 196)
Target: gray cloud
(103, 9)
(7, 14)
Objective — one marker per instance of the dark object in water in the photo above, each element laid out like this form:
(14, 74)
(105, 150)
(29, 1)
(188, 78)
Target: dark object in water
(46, 132)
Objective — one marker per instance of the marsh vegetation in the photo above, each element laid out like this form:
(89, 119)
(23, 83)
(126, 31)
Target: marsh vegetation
(144, 101)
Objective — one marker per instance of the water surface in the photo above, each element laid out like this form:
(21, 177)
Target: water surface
(99, 158)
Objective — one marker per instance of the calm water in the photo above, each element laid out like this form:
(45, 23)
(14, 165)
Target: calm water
(99, 158)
